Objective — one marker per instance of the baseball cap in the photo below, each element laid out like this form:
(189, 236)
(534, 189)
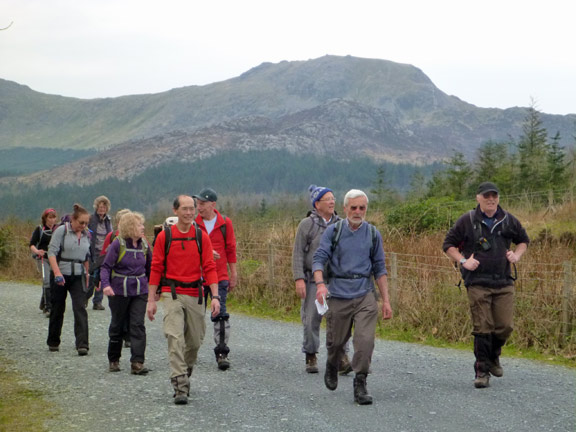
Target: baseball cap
(487, 187)
(206, 194)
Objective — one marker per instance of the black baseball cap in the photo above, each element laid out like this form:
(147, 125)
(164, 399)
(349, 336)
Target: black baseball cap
(206, 194)
(487, 187)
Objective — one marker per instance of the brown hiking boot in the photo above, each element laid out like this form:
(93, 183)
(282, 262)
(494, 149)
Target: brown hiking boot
(311, 363)
(482, 380)
(181, 385)
(345, 365)
(495, 368)
(114, 366)
(223, 362)
(138, 368)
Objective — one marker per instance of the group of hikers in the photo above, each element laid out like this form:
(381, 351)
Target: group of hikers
(192, 262)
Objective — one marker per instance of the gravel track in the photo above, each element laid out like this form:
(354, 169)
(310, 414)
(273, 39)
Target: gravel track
(415, 388)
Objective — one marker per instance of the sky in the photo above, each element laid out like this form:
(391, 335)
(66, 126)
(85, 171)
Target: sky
(494, 53)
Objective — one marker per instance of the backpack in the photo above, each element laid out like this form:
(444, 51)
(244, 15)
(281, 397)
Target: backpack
(223, 231)
(124, 248)
(338, 232)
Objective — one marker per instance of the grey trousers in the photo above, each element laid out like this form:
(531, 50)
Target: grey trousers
(343, 315)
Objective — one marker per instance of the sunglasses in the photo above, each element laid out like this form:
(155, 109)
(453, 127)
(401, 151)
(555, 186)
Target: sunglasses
(490, 195)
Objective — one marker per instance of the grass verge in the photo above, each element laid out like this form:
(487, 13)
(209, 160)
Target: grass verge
(22, 409)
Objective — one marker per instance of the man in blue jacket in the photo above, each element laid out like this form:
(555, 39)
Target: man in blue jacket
(352, 250)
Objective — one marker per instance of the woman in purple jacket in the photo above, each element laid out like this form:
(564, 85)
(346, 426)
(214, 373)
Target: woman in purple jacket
(124, 277)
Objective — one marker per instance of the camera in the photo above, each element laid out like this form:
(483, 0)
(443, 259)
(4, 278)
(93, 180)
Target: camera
(485, 244)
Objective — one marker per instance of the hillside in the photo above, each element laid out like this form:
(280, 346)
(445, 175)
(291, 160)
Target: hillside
(343, 106)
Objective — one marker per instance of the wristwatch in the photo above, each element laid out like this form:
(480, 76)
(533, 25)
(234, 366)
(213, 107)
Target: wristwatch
(216, 298)
(462, 261)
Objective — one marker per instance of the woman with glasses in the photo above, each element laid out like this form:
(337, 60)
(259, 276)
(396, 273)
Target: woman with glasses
(69, 254)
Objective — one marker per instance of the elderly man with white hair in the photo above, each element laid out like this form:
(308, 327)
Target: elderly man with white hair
(352, 251)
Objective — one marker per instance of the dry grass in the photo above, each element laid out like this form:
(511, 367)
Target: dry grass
(427, 304)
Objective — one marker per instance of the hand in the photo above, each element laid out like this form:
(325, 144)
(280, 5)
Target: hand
(386, 310)
(108, 291)
(232, 282)
(471, 263)
(512, 257)
(215, 307)
(216, 255)
(151, 309)
(40, 252)
(321, 293)
(301, 288)
(59, 280)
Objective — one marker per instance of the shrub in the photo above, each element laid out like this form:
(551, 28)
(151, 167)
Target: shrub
(433, 214)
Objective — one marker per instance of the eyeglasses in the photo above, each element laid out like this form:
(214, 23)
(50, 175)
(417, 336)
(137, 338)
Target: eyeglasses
(328, 199)
(354, 208)
(490, 195)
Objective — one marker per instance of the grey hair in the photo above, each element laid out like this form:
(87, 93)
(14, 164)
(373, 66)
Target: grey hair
(354, 193)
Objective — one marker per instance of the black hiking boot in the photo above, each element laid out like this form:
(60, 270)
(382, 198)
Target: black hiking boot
(331, 377)
(361, 396)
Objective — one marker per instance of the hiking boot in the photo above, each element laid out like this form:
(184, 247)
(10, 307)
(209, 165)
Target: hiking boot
(223, 362)
(345, 365)
(482, 380)
(114, 366)
(82, 351)
(180, 398)
(331, 377)
(98, 306)
(138, 368)
(181, 385)
(53, 348)
(361, 396)
(189, 372)
(311, 363)
(495, 368)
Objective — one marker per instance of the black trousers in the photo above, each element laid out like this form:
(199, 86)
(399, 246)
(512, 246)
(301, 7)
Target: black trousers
(74, 286)
(132, 309)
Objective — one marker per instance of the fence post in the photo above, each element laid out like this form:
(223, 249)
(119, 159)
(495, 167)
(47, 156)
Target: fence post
(566, 300)
(270, 265)
(393, 281)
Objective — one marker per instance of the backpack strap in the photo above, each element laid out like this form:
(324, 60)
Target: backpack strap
(223, 231)
(167, 243)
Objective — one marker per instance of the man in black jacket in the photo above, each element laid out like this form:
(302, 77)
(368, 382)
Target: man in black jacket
(480, 241)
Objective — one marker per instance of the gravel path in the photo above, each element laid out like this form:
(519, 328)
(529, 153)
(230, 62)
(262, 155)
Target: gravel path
(415, 388)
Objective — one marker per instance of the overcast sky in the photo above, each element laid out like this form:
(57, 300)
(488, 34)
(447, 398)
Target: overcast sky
(494, 53)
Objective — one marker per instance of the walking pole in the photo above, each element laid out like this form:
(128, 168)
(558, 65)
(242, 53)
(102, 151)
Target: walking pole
(43, 281)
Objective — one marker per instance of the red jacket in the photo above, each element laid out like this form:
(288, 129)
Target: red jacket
(226, 251)
(183, 261)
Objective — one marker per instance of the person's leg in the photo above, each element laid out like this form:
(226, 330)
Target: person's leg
(59, 294)
(173, 327)
(311, 321)
(119, 309)
(137, 311)
(174, 323)
(195, 329)
(338, 331)
(222, 328)
(503, 315)
(365, 319)
(480, 300)
(78, 295)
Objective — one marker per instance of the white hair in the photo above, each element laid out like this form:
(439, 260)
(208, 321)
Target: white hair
(354, 193)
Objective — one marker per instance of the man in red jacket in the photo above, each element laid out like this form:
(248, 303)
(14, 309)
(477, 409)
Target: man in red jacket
(221, 233)
(179, 261)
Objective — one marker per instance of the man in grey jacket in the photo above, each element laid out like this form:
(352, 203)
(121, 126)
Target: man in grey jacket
(354, 255)
(307, 239)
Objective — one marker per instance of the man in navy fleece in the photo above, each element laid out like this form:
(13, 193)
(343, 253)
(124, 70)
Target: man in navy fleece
(353, 255)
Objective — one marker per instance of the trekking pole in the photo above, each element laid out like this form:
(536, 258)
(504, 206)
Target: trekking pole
(43, 278)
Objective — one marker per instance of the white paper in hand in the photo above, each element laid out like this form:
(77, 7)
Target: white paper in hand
(322, 308)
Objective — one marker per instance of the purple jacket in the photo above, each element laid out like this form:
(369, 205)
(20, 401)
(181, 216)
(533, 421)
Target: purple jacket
(129, 277)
